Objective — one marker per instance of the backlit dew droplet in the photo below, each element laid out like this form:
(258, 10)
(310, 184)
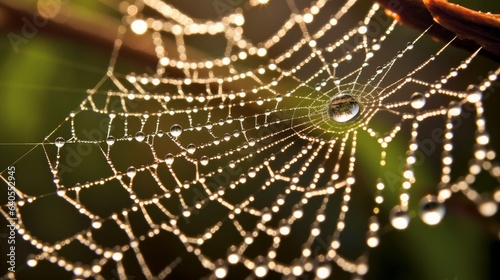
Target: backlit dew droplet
(117, 254)
(191, 148)
(417, 100)
(131, 172)
(220, 270)
(60, 142)
(61, 191)
(169, 159)
(139, 26)
(372, 240)
(110, 140)
(487, 207)
(285, 230)
(297, 269)
(204, 160)
(31, 261)
(251, 173)
(454, 109)
(97, 223)
(399, 218)
(343, 108)
(323, 271)
(431, 210)
(260, 270)
(139, 136)
(475, 95)
(175, 130)
(232, 255)
(266, 216)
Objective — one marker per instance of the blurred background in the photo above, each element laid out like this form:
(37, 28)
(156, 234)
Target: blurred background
(47, 69)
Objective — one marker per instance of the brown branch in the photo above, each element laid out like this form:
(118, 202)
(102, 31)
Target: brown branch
(480, 27)
(474, 28)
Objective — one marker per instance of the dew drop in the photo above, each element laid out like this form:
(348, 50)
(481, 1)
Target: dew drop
(31, 261)
(285, 230)
(297, 268)
(399, 218)
(372, 240)
(431, 210)
(252, 173)
(343, 108)
(169, 159)
(110, 140)
(266, 215)
(454, 109)
(140, 136)
(204, 160)
(220, 269)
(417, 100)
(191, 148)
(251, 142)
(117, 254)
(488, 207)
(61, 191)
(131, 172)
(475, 95)
(232, 255)
(97, 223)
(60, 142)
(175, 130)
(323, 271)
(260, 270)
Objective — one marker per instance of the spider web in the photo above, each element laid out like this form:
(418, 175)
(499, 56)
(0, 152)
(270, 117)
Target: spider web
(230, 157)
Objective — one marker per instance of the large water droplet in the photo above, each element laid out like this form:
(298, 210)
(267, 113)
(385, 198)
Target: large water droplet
(61, 191)
(399, 218)
(110, 140)
(131, 172)
(220, 269)
(232, 255)
(97, 223)
(475, 94)
(260, 269)
(117, 254)
(169, 159)
(31, 261)
(191, 148)
(297, 268)
(204, 160)
(252, 173)
(454, 109)
(417, 100)
(431, 210)
(488, 207)
(140, 136)
(323, 271)
(60, 142)
(343, 108)
(175, 130)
